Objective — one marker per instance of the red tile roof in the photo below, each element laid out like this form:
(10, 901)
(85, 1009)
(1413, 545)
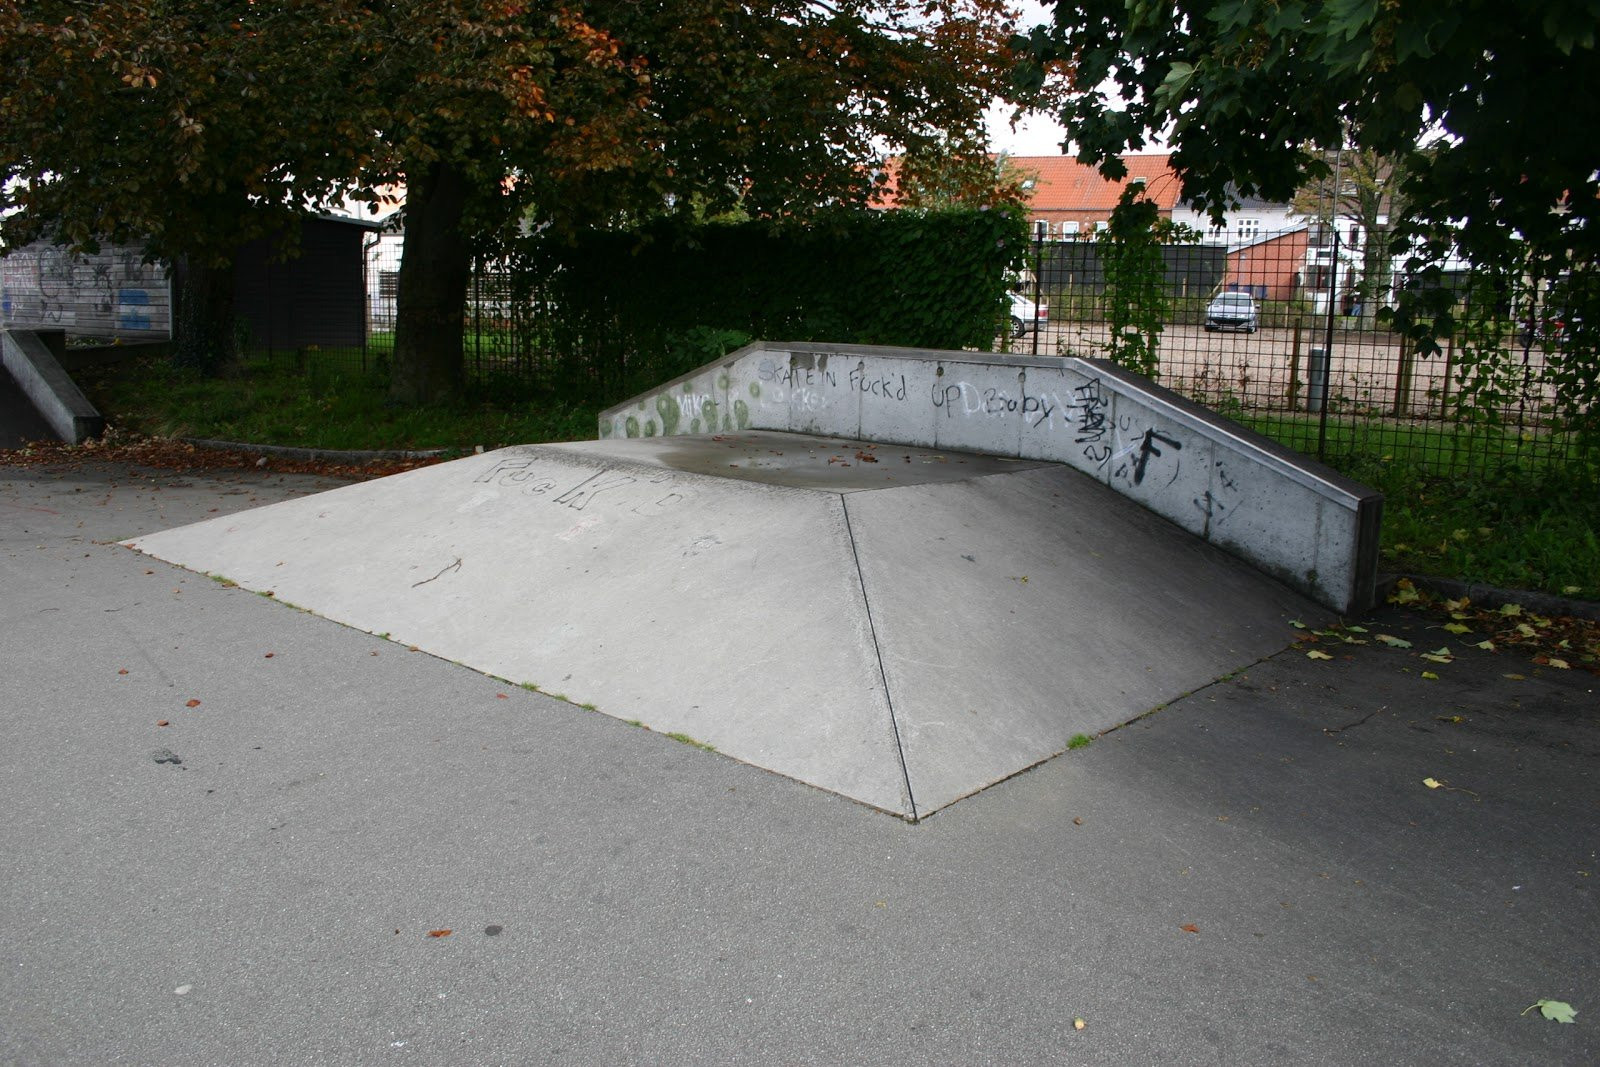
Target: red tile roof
(1064, 184)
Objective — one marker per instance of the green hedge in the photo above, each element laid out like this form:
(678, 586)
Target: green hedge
(624, 311)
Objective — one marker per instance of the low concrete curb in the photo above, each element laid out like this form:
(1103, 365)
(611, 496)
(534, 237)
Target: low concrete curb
(321, 455)
(1454, 589)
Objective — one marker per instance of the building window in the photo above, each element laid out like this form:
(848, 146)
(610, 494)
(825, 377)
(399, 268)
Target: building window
(1248, 229)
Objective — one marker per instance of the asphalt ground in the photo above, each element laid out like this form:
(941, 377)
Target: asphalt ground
(238, 833)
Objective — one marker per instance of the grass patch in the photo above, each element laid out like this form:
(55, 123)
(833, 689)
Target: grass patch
(327, 403)
(686, 739)
(1513, 529)
(1080, 741)
(1477, 504)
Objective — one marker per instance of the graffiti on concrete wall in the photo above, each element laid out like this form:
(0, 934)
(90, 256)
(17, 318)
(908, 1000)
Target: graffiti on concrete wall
(1074, 418)
(110, 293)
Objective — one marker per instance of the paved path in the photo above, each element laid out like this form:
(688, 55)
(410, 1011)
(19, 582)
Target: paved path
(1254, 875)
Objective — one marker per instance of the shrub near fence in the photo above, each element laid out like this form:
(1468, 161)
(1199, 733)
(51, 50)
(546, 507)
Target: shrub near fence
(601, 315)
(612, 313)
(625, 311)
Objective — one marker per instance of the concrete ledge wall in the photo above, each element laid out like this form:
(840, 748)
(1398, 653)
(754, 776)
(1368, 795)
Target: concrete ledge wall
(52, 391)
(1291, 517)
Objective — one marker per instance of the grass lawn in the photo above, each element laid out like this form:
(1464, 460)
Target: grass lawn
(1522, 521)
(329, 405)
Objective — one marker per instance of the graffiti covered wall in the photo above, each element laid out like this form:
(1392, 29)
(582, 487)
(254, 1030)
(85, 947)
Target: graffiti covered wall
(1299, 521)
(112, 293)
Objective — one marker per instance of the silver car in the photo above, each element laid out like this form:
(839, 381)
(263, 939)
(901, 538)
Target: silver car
(1232, 311)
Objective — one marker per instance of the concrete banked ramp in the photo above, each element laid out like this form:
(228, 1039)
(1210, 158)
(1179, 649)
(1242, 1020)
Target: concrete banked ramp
(901, 625)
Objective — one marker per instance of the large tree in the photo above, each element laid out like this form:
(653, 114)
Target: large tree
(1361, 187)
(175, 124)
(493, 113)
(1249, 92)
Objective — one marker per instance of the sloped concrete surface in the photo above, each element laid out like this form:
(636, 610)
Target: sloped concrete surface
(256, 882)
(901, 626)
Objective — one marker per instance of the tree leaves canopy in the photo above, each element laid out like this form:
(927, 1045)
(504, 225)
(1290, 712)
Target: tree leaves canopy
(1245, 91)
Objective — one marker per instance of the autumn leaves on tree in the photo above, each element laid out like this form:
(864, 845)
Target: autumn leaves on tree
(199, 126)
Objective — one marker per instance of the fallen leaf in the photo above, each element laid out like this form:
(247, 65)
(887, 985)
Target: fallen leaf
(1487, 646)
(1457, 605)
(438, 933)
(1430, 676)
(1457, 628)
(192, 703)
(1189, 928)
(1297, 624)
(123, 671)
(269, 655)
(1515, 677)
(1432, 783)
(1551, 661)
(1511, 611)
(1078, 1024)
(1356, 629)
(1077, 820)
(501, 696)
(162, 722)
(1314, 654)
(1555, 1010)
(1392, 641)
(1404, 593)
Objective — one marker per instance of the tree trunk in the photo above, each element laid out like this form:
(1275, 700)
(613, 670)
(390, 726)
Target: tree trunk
(203, 334)
(435, 266)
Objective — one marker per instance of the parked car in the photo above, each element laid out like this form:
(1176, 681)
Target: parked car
(1233, 311)
(1025, 315)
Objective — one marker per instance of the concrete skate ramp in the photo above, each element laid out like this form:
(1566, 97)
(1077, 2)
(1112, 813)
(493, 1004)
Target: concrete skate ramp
(1293, 518)
(903, 626)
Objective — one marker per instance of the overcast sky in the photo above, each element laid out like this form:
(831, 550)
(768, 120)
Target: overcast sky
(1038, 135)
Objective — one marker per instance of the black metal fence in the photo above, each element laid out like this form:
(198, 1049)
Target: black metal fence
(1309, 361)
(1296, 347)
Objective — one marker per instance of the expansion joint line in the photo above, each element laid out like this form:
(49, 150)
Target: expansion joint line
(877, 651)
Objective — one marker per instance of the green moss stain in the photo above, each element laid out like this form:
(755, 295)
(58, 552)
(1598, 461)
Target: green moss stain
(727, 423)
(741, 412)
(667, 408)
(632, 426)
(755, 390)
(708, 412)
(650, 428)
(694, 425)
(605, 429)
(688, 387)
(722, 381)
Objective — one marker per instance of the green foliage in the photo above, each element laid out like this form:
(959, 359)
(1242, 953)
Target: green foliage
(321, 403)
(1479, 104)
(1528, 526)
(1137, 294)
(1080, 741)
(633, 309)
